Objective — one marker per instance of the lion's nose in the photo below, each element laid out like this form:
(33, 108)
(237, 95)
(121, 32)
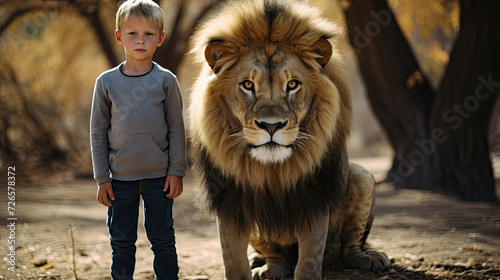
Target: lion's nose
(271, 128)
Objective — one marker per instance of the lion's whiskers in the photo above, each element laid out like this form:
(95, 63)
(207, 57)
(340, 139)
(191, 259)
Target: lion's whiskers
(237, 139)
(303, 138)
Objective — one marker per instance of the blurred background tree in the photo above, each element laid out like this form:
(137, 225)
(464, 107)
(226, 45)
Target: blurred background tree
(438, 122)
(47, 51)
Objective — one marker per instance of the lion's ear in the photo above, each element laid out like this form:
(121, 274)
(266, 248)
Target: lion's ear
(324, 49)
(214, 51)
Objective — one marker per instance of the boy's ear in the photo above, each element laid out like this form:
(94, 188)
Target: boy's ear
(162, 38)
(118, 37)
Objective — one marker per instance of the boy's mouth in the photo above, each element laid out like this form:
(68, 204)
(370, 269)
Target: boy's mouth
(140, 50)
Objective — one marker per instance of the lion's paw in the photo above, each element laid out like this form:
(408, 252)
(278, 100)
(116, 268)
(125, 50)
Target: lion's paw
(367, 260)
(260, 273)
(256, 260)
(269, 271)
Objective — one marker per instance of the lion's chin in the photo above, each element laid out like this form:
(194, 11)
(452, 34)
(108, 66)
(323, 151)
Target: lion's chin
(268, 154)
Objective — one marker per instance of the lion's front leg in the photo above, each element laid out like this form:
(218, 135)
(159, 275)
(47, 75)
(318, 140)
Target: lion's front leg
(311, 249)
(359, 210)
(234, 252)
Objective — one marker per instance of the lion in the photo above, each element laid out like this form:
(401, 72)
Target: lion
(270, 114)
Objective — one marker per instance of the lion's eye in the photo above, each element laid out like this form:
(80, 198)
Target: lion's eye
(293, 86)
(247, 87)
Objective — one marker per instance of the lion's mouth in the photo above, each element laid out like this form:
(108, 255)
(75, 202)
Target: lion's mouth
(270, 152)
(270, 145)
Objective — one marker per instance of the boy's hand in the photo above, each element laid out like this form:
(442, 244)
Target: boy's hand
(103, 191)
(174, 183)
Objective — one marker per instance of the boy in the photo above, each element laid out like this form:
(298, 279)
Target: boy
(138, 142)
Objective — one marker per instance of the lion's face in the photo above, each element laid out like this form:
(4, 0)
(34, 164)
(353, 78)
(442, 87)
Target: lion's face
(270, 100)
(274, 97)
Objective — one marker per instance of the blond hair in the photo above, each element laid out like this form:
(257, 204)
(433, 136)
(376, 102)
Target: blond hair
(146, 9)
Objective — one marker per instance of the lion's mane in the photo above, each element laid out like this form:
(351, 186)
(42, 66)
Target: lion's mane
(279, 197)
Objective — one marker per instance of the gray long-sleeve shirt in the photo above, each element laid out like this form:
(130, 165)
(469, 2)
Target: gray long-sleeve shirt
(136, 126)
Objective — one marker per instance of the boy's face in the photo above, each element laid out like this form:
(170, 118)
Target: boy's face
(140, 38)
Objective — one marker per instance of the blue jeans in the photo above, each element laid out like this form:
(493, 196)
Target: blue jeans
(158, 223)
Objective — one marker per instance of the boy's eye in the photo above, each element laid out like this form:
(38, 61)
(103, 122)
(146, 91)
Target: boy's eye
(149, 34)
(132, 33)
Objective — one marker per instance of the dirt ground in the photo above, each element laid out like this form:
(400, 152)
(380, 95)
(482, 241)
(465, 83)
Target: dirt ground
(427, 236)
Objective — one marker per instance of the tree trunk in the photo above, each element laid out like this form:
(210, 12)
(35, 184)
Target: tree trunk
(440, 137)
(171, 53)
(102, 36)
